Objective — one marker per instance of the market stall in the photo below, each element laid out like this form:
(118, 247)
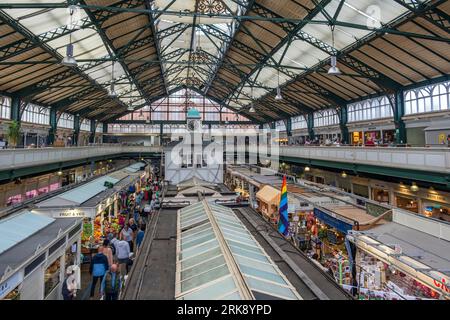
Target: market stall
(99, 202)
(268, 199)
(394, 261)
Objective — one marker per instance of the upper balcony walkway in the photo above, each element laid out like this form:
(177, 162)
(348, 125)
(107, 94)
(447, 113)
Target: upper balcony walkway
(421, 159)
(422, 164)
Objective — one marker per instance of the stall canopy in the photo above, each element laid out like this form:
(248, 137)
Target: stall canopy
(269, 195)
(218, 258)
(19, 227)
(135, 167)
(80, 194)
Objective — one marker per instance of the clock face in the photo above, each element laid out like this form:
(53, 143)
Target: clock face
(192, 125)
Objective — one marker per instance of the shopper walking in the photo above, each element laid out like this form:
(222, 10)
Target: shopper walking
(111, 284)
(123, 255)
(108, 252)
(139, 238)
(98, 268)
(127, 235)
(69, 287)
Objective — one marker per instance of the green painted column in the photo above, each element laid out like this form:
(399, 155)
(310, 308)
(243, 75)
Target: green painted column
(273, 125)
(76, 129)
(161, 132)
(92, 131)
(399, 112)
(310, 123)
(343, 119)
(53, 127)
(105, 130)
(288, 124)
(15, 108)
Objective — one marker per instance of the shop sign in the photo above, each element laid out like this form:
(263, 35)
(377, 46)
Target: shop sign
(10, 284)
(72, 213)
(442, 285)
(435, 197)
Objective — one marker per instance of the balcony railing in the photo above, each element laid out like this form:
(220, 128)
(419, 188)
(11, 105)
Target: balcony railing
(429, 159)
(19, 158)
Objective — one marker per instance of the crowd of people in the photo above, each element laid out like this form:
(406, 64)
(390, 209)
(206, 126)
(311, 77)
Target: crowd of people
(111, 264)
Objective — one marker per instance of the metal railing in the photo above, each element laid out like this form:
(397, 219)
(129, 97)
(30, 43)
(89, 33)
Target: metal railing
(20, 158)
(429, 159)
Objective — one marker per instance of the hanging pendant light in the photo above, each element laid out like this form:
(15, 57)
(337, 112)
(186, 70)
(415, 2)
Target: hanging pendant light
(334, 70)
(414, 187)
(278, 96)
(69, 60)
(141, 115)
(112, 91)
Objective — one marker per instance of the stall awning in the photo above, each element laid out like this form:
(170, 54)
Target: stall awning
(80, 194)
(19, 227)
(135, 167)
(332, 221)
(269, 195)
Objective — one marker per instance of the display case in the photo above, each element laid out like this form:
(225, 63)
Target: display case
(52, 277)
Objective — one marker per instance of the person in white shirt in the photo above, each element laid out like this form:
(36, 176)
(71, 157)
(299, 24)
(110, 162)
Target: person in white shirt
(123, 255)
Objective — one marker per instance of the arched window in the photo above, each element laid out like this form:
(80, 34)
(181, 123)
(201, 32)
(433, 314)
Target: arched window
(431, 98)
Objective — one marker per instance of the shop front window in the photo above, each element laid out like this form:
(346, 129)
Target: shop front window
(372, 137)
(71, 254)
(13, 295)
(52, 277)
(381, 195)
(407, 203)
(388, 136)
(31, 194)
(357, 138)
(14, 199)
(437, 211)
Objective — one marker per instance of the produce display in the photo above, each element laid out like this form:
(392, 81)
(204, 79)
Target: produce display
(87, 231)
(97, 229)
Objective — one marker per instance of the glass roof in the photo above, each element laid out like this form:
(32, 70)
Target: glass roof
(87, 43)
(200, 42)
(205, 261)
(300, 54)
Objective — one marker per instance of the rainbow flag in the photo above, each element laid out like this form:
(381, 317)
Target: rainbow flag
(283, 223)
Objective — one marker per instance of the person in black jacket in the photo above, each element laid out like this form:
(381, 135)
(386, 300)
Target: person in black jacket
(98, 268)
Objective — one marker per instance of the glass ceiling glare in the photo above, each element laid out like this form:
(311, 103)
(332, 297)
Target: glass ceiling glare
(204, 264)
(87, 44)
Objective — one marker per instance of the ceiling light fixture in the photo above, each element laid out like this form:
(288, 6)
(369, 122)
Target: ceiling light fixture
(69, 60)
(344, 174)
(334, 70)
(278, 96)
(414, 187)
(307, 169)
